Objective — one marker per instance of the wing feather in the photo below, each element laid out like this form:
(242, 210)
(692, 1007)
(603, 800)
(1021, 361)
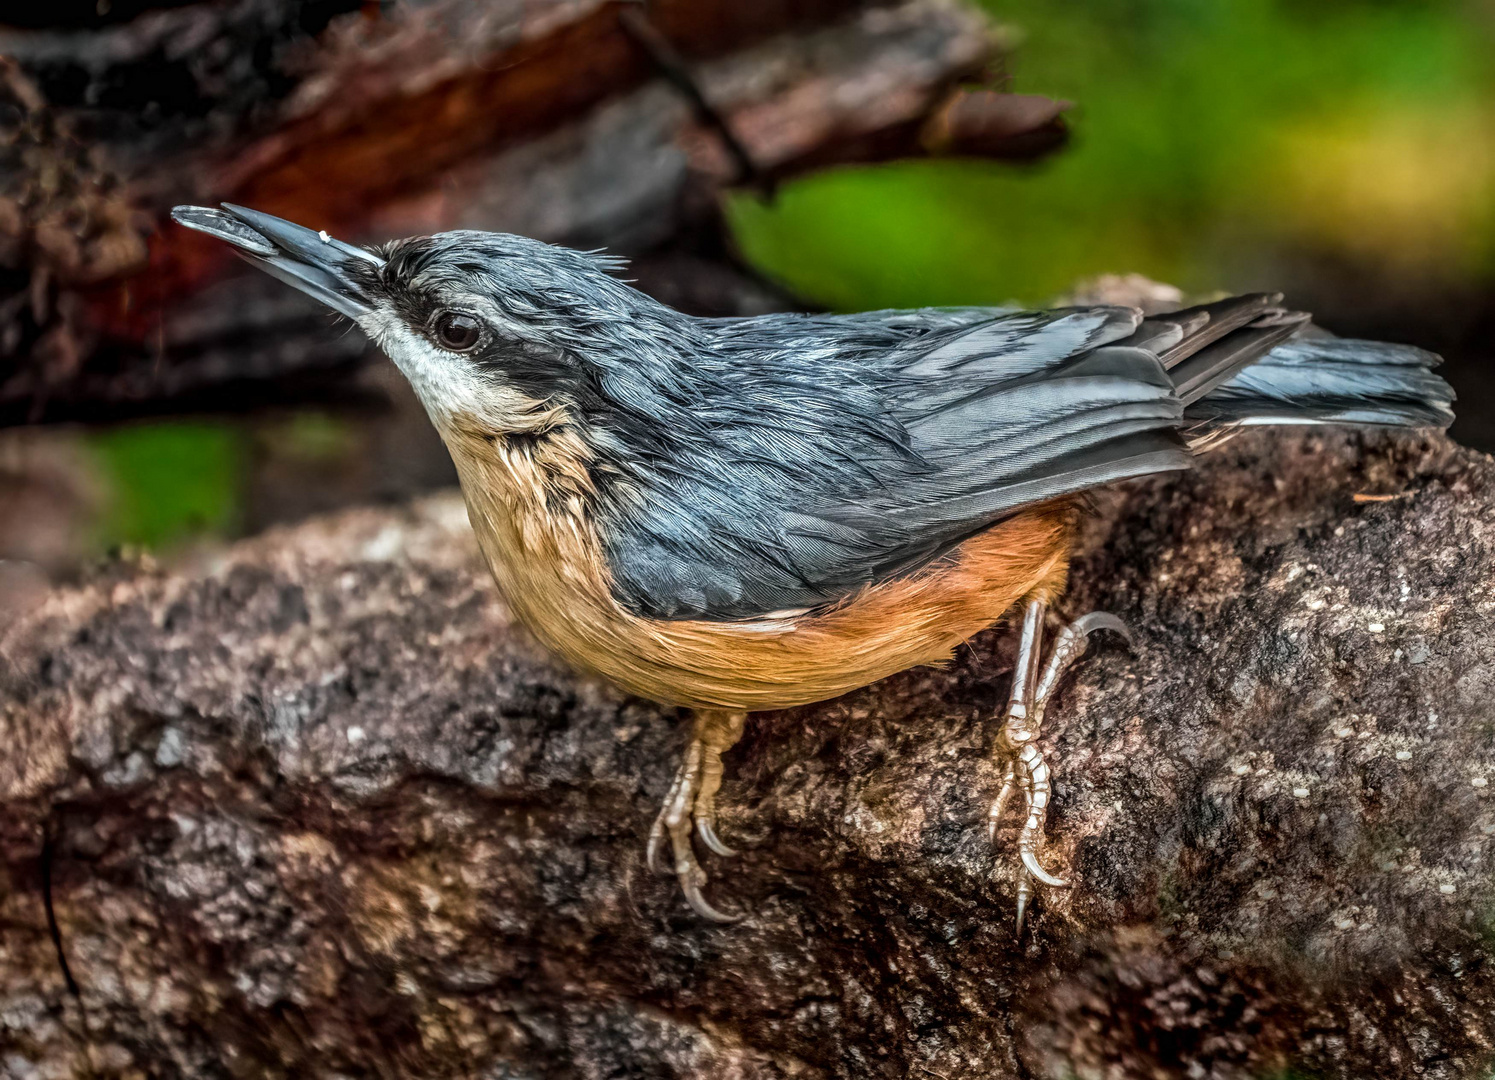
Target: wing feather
(812, 496)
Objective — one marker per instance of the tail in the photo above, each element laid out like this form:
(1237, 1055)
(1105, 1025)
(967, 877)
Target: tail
(1316, 379)
(1247, 360)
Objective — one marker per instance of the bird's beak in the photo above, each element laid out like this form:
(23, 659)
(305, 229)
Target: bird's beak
(310, 261)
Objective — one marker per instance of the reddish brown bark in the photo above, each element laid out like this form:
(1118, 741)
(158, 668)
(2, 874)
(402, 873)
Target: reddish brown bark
(439, 115)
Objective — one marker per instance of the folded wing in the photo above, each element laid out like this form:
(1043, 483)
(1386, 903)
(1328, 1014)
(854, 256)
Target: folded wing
(920, 434)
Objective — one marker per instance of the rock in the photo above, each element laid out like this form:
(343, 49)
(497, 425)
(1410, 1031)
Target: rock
(321, 810)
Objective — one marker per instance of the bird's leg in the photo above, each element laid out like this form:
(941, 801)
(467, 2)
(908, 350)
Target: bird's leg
(1026, 768)
(691, 803)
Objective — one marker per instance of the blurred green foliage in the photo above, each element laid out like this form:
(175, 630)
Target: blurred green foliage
(1210, 136)
(310, 437)
(170, 481)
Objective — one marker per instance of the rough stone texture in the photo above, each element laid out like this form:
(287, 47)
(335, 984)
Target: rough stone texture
(321, 811)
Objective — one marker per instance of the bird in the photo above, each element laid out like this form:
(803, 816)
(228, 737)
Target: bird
(739, 514)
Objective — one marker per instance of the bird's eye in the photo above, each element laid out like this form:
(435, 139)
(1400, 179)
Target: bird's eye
(457, 331)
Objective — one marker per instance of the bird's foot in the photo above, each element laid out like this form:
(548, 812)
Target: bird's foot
(1027, 770)
(691, 805)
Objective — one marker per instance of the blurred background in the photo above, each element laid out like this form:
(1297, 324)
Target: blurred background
(155, 396)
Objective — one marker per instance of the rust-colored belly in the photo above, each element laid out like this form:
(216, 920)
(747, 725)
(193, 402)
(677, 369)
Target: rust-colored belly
(548, 562)
(774, 663)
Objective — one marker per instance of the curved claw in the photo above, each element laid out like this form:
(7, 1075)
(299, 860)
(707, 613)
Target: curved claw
(1031, 863)
(691, 887)
(706, 830)
(1103, 620)
(1069, 646)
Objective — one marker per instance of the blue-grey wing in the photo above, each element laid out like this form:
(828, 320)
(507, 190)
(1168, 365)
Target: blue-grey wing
(839, 451)
(856, 447)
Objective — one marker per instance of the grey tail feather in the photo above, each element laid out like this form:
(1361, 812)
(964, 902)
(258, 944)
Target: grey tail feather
(1248, 360)
(1317, 378)
(1203, 347)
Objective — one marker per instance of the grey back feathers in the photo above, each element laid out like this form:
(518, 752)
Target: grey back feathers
(748, 466)
(842, 450)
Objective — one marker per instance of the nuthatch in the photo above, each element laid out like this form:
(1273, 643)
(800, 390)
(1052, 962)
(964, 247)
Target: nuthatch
(755, 513)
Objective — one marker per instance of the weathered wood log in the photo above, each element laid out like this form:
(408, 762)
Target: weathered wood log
(550, 119)
(322, 810)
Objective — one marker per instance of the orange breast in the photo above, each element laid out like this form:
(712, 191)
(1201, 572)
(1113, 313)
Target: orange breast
(545, 555)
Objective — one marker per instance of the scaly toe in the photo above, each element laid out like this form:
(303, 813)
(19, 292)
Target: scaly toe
(680, 795)
(994, 817)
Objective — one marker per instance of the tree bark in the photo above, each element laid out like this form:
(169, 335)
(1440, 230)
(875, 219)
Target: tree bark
(550, 119)
(322, 810)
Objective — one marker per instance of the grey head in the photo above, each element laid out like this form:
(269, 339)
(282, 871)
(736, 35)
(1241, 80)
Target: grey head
(496, 329)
